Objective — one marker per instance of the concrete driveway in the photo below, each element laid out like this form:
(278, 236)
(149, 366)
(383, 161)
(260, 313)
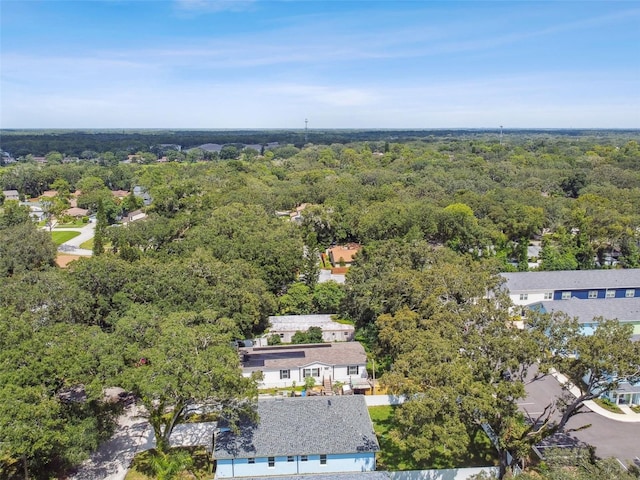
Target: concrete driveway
(72, 246)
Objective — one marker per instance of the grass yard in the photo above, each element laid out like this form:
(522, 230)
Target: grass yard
(74, 224)
(479, 453)
(88, 245)
(608, 405)
(389, 457)
(60, 237)
(141, 468)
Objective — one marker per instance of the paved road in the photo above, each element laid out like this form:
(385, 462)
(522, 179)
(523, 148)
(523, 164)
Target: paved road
(612, 438)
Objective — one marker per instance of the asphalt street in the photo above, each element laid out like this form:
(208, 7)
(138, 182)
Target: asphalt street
(611, 438)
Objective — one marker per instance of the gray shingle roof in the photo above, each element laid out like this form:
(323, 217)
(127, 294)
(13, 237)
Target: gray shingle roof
(295, 356)
(572, 280)
(302, 426)
(622, 309)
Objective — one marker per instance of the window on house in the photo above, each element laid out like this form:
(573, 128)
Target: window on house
(611, 294)
(282, 335)
(303, 458)
(593, 294)
(251, 460)
(272, 462)
(352, 370)
(524, 296)
(323, 459)
(311, 372)
(566, 295)
(290, 458)
(630, 293)
(285, 374)
(548, 295)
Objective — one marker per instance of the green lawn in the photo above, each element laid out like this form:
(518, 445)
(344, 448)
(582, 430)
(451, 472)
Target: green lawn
(608, 405)
(60, 237)
(88, 245)
(479, 453)
(74, 224)
(389, 457)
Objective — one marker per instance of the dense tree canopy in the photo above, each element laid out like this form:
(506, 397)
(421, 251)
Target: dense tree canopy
(438, 215)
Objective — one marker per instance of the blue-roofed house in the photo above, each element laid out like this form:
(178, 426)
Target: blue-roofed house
(526, 288)
(300, 435)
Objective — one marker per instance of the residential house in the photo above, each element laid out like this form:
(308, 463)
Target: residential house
(343, 255)
(295, 436)
(49, 194)
(526, 288)
(281, 365)
(76, 212)
(588, 313)
(625, 310)
(329, 275)
(134, 216)
(120, 194)
(140, 192)
(11, 195)
(287, 325)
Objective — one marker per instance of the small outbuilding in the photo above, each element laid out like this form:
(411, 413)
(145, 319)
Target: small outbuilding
(286, 326)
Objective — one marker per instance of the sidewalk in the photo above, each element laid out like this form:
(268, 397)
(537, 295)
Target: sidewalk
(627, 415)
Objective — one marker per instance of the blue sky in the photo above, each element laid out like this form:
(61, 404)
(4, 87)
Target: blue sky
(341, 64)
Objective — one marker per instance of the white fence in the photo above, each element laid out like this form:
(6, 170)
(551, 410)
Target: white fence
(450, 474)
(378, 400)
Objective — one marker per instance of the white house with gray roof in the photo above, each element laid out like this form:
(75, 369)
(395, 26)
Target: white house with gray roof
(295, 436)
(286, 326)
(281, 365)
(526, 288)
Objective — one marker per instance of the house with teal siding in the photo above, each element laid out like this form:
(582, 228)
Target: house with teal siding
(299, 435)
(589, 313)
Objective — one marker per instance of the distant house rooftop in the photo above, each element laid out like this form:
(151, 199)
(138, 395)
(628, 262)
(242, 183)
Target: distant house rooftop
(211, 147)
(120, 193)
(572, 280)
(302, 426)
(343, 253)
(11, 195)
(76, 212)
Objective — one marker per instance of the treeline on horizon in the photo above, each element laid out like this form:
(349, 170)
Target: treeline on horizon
(38, 142)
